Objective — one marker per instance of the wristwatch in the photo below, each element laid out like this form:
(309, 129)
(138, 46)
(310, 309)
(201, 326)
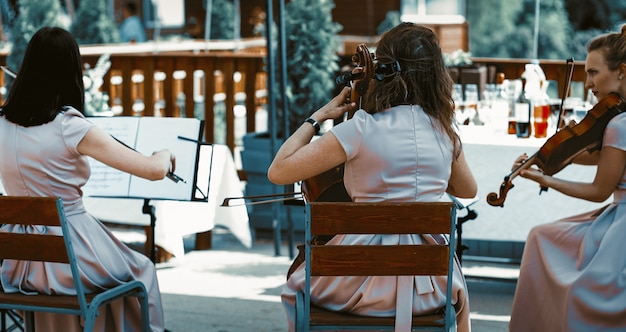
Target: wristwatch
(314, 123)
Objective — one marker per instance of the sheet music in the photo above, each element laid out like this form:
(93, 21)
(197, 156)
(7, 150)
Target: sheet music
(154, 134)
(105, 180)
(146, 135)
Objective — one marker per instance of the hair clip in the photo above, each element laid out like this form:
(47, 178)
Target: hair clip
(386, 70)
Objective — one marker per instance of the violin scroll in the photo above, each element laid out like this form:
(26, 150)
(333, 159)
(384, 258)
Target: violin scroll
(494, 200)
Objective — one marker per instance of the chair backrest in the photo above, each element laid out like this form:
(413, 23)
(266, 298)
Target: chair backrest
(332, 218)
(34, 246)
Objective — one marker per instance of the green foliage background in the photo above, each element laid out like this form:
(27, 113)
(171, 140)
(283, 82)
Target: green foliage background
(505, 29)
(93, 25)
(312, 61)
(33, 15)
(222, 19)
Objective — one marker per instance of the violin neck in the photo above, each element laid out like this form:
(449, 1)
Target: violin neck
(524, 165)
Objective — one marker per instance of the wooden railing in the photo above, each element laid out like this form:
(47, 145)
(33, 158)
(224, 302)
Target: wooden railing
(170, 70)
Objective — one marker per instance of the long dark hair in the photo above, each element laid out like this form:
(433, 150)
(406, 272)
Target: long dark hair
(421, 79)
(50, 77)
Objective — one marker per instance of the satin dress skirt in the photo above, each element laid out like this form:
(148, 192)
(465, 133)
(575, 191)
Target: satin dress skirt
(103, 261)
(377, 296)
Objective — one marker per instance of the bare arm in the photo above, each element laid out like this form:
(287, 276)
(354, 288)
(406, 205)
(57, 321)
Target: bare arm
(587, 158)
(611, 165)
(300, 158)
(462, 183)
(104, 148)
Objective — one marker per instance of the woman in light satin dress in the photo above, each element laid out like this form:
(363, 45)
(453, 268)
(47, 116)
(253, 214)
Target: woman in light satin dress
(573, 271)
(44, 144)
(403, 147)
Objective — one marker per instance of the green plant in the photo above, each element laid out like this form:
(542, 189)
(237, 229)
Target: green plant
(222, 19)
(96, 101)
(33, 15)
(92, 25)
(391, 20)
(312, 61)
(457, 58)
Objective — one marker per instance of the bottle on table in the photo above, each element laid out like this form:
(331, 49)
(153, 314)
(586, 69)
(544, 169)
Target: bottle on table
(500, 106)
(512, 90)
(523, 111)
(538, 95)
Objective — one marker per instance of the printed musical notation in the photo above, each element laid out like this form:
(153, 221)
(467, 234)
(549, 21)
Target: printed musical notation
(146, 135)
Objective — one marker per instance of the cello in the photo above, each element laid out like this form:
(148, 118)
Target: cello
(561, 148)
(328, 186)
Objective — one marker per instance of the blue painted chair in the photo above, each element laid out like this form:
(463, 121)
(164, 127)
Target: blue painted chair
(48, 211)
(332, 218)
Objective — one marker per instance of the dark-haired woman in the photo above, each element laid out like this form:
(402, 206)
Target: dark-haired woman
(402, 147)
(44, 144)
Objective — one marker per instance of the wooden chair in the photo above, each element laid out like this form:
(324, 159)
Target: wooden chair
(48, 211)
(331, 218)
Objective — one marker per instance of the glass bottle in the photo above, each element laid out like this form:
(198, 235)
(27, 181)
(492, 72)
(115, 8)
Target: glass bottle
(523, 113)
(500, 106)
(512, 89)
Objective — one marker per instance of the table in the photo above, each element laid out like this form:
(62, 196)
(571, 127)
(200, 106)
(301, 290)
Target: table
(177, 219)
(490, 156)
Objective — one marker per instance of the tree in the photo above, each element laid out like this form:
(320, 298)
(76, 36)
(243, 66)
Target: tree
(222, 19)
(554, 28)
(93, 25)
(491, 30)
(507, 29)
(312, 61)
(32, 16)
(392, 18)
(589, 14)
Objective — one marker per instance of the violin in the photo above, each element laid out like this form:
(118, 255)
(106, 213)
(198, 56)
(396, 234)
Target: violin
(328, 186)
(561, 148)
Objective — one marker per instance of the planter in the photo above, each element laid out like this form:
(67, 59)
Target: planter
(256, 158)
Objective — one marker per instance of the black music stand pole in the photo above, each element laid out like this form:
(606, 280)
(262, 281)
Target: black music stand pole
(150, 210)
(471, 215)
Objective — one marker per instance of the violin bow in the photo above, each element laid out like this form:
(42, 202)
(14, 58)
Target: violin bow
(566, 87)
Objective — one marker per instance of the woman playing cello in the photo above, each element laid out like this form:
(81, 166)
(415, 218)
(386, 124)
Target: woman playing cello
(572, 275)
(402, 146)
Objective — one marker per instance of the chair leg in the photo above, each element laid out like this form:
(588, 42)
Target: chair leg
(300, 320)
(90, 319)
(14, 318)
(29, 321)
(145, 312)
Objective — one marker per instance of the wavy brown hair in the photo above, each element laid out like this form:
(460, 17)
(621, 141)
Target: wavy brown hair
(423, 78)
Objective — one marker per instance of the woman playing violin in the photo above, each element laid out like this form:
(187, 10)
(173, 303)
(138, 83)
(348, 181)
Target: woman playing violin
(572, 271)
(402, 146)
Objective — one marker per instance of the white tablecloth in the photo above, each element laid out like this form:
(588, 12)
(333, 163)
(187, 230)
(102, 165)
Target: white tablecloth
(177, 219)
(490, 156)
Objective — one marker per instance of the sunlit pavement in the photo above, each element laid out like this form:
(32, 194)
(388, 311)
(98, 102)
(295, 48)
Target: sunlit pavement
(233, 289)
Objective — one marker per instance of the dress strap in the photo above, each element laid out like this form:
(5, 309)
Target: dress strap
(404, 303)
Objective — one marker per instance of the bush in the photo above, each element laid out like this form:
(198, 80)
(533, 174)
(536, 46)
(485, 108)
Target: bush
(222, 19)
(33, 15)
(92, 25)
(312, 61)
